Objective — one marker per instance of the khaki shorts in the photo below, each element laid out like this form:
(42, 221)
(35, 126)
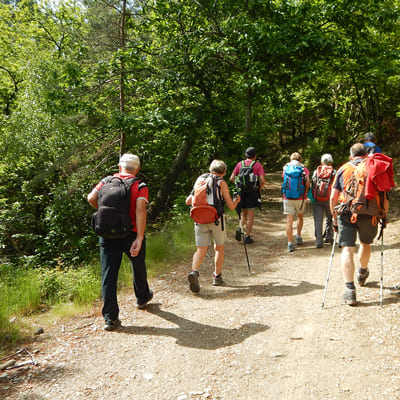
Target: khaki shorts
(204, 232)
(293, 207)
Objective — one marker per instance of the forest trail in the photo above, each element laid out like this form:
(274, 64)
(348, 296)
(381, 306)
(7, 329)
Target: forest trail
(263, 335)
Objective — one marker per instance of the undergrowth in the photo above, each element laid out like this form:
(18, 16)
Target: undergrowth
(27, 291)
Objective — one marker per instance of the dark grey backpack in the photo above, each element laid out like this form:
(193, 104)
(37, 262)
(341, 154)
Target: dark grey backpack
(112, 219)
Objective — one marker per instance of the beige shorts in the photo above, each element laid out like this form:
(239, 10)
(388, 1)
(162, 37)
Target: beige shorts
(205, 232)
(293, 207)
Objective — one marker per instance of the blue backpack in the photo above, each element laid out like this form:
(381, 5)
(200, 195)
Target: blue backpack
(293, 186)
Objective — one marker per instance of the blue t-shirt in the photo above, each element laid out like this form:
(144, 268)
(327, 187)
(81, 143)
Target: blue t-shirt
(377, 149)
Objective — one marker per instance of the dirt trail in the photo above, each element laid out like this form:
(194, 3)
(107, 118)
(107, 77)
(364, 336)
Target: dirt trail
(262, 335)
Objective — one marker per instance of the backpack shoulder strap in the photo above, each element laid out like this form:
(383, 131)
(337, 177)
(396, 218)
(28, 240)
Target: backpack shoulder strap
(108, 179)
(218, 181)
(131, 181)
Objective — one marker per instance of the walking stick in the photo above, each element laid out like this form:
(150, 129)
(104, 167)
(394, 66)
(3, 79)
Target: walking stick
(245, 247)
(329, 268)
(238, 210)
(383, 226)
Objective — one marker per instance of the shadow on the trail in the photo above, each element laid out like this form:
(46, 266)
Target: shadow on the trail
(392, 298)
(270, 289)
(386, 301)
(193, 334)
(46, 375)
(377, 285)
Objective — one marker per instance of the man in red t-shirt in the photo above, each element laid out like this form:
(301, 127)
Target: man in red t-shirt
(249, 199)
(134, 245)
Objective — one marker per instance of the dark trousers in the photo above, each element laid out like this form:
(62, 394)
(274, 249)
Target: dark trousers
(319, 209)
(111, 252)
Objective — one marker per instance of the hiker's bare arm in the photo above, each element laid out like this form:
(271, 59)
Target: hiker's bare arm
(92, 198)
(334, 199)
(307, 183)
(141, 216)
(261, 178)
(188, 200)
(227, 196)
(232, 178)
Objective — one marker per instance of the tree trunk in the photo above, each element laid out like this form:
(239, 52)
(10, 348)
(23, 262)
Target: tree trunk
(167, 187)
(122, 76)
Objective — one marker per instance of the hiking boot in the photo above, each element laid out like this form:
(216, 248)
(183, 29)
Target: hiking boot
(349, 297)
(299, 240)
(112, 325)
(142, 306)
(318, 244)
(290, 246)
(217, 280)
(193, 279)
(362, 277)
(238, 234)
(248, 240)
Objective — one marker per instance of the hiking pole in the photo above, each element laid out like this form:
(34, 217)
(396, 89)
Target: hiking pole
(238, 210)
(383, 225)
(381, 291)
(244, 244)
(329, 268)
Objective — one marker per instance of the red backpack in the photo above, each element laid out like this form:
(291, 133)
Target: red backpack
(207, 203)
(322, 183)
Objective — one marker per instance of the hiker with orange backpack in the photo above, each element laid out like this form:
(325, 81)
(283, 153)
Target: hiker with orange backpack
(210, 193)
(321, 185)
(360, 187)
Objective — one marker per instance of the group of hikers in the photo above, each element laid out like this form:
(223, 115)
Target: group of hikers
(353, 200)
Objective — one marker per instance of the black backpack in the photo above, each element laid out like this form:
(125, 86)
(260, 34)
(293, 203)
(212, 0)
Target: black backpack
(246, 180)
(112, 219)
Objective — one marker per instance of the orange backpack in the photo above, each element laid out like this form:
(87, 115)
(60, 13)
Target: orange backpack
(359, 201)
(207, 203)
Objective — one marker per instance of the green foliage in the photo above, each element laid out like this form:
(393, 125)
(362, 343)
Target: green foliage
(186, 82)
(80, 286)
(26, 290)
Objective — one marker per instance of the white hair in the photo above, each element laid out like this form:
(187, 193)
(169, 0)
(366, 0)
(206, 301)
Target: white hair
(218, 166)
(129, 162)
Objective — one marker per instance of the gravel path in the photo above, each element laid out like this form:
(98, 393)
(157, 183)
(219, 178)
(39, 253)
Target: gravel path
(263, 335)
